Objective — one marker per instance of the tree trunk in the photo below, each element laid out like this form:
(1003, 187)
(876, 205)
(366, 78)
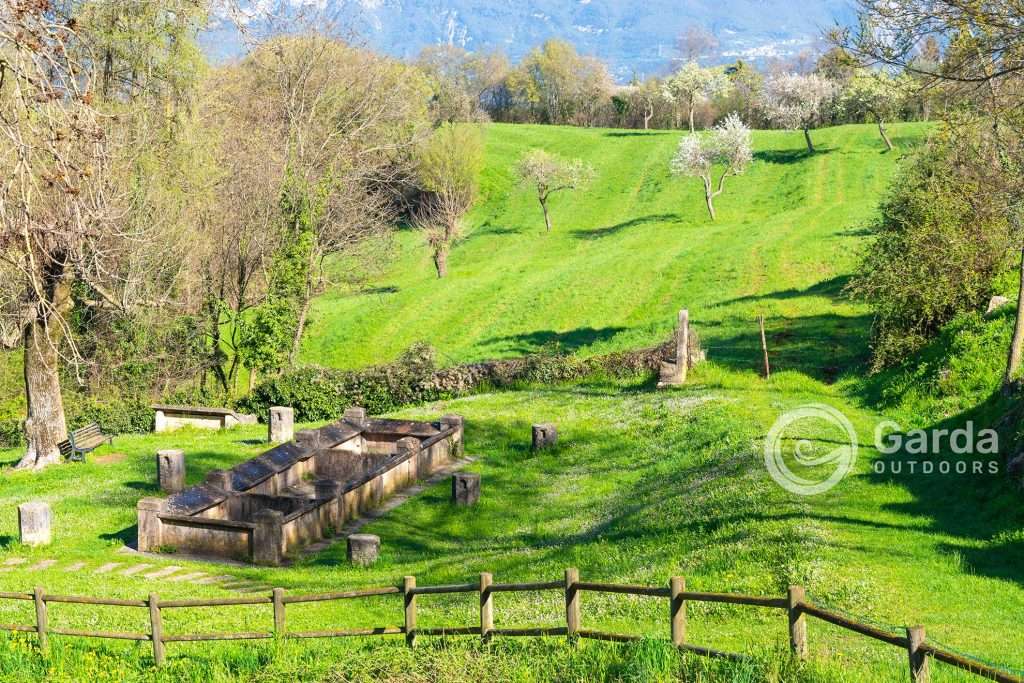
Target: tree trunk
(881, 130)
(692, 129)
(547, 218)
(647, 119)
(709, 197)
(1017, 343)
(441, 260)
(807, 137)
(307, 297)
(45, 425)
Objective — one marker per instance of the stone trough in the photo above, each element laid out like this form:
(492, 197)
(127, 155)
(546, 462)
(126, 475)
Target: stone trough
(301, 491)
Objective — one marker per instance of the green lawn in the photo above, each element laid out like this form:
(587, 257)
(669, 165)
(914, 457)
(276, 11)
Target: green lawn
(644, 485)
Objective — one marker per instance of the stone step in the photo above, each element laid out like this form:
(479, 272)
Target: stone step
(76, 567)
(41, 565)
(161, 573)
(14, 560)
(188, 577)
(215, 579)
(131, 571)
(108, 567)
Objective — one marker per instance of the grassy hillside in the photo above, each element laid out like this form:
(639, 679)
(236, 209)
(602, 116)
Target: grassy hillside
(626, 253)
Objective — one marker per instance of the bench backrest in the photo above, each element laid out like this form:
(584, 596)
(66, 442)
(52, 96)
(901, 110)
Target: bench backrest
(92, 429)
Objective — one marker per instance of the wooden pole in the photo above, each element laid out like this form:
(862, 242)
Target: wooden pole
(797, 622)
(44, 643)
(572, 603)
(410, 610)
(764, 348)
(677, 610)
(156, 629)
(683, 344)
(919, 670)
(486, 606)
(279, 623)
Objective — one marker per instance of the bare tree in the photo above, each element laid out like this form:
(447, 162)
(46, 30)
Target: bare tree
(548, 174)
(728, 146)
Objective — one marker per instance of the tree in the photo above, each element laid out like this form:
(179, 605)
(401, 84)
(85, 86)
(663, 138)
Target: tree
(729, 146)
(692, 82)
(549, 174)
(81, 218)
(797, 101)
(695, 43)
(877, 94)
(448, 170)
(982, 56)
(561, 86)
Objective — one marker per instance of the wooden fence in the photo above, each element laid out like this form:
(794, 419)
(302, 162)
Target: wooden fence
(794, 604)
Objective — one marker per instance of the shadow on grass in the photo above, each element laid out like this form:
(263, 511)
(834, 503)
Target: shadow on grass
(598, 233)
(636, 133)
(831, 288)
(128, 536)
(564, 342)
(789, 156)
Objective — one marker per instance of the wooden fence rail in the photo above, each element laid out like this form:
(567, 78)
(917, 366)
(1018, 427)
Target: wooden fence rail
(920, 653)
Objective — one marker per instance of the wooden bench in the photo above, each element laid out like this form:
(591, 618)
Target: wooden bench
(82, 441)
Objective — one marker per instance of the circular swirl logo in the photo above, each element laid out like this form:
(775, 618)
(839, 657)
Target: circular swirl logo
(804, 455)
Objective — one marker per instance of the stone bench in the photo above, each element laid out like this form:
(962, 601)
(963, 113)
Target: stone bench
(172, 417)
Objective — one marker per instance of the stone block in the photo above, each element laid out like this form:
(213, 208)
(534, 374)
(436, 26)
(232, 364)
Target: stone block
(363, 549)
(465, 488)
(170, 470)
(355, 416)
(245, 419)
(996, 302)
(220, 479)
(457, 439)
(268, 538)
(149, 532)
(308, 439)
(281, 425)
(34, 520)
(545, 435)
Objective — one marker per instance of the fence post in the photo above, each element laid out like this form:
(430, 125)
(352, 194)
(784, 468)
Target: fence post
(279, 626)
(677, 610)
(37, 596)
(919, 670)
(156, 629)
(572, 603)
(410, 610)
(486, 606)
(797, 622)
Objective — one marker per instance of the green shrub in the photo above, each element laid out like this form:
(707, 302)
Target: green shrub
(944, 242)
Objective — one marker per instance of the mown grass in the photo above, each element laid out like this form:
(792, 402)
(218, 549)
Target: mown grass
(644, 485)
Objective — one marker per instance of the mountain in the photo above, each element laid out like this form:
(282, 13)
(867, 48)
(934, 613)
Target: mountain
(632, 37)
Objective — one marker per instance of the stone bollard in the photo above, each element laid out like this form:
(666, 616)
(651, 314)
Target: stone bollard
(268, 537)
(149, 533)
(329, 489)
(544, 435)
(34, 521)
(170, 470)
(355, 416)
(281, 425)
(459, 424)
(159, 421)
(465, 488)
(220, 479)
(308, 439)
(363, 549)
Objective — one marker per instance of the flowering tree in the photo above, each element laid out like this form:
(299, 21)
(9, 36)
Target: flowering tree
(728, 146)
(797, 101)
(879, 95)
(693, 82)
(549, 174)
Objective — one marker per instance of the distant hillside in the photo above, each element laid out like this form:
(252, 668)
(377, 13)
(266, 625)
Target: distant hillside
(628, 252)
(631, 36)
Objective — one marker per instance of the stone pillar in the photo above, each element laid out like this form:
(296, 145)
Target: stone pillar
(159, 422)
(355, 416)
(545, 435)
(34, 521)
(363, 549)
(281, 425)
(308, 439)
(409, 448)
(329, 489)
(459, 423)
(465, 488)
(268, 538)
(220, 479)
(150, 526)
(170, 470)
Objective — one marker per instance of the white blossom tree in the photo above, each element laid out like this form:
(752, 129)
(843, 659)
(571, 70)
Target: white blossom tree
(728, 147)
(691, 83)
(798, 101)
(879, 95)
(549, 174)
